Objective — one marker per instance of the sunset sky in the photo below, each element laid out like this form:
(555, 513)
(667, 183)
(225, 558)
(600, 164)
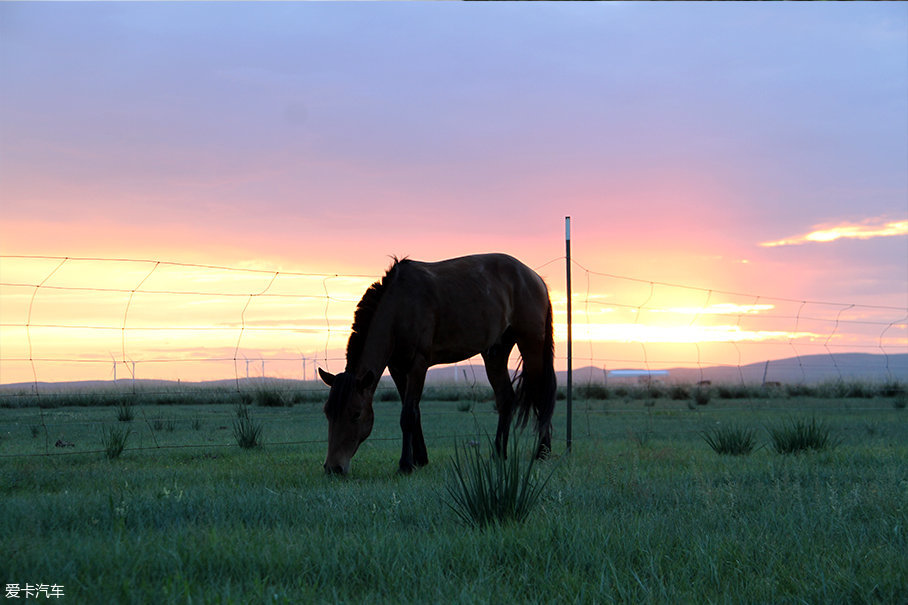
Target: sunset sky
(756, 148)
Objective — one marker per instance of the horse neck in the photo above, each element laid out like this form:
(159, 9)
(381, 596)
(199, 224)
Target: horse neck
(377, 349)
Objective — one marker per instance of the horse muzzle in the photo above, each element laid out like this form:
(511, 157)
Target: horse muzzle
(337, 469)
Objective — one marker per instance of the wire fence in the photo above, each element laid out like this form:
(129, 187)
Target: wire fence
(732, 336)
(121, 321)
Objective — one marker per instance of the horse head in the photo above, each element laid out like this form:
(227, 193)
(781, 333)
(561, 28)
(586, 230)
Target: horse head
(350, 417)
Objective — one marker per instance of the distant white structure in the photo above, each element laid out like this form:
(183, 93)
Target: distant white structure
(643, 376)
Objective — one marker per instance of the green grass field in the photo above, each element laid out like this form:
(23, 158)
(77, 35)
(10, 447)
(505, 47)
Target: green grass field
(641, 511)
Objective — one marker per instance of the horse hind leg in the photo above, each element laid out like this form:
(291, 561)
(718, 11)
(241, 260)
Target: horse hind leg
(545, 443)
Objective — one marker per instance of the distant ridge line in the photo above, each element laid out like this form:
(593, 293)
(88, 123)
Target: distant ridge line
(805, 369)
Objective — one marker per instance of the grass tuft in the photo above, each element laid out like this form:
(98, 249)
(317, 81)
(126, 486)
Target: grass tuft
(593, 390)
(679, 392)
(487, 489)
(730, 440)
(125, 413)
(892, 388)
(801, 435)
(247, 432)
(114, 441)
(162, 424)
(732, 391)
(702, 395)
(271, 399)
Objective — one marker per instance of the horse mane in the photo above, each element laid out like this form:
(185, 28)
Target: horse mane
(365, 312)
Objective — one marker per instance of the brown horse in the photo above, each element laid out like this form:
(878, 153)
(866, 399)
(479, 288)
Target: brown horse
(423, 314)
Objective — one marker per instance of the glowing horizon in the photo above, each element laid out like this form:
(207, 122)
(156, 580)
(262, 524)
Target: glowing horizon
(198, 322)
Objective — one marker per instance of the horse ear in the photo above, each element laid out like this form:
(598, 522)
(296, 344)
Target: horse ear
(367, 381)
(326, 377)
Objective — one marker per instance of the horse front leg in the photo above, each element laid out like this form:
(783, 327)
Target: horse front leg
(413, 451)
(413, 448)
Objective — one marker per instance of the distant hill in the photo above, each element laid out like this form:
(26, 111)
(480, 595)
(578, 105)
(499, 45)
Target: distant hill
(806, 369)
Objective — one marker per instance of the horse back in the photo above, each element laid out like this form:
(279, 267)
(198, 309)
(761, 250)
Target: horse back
(453, 309)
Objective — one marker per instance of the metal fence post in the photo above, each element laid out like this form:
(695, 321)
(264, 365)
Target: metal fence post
(570, 377)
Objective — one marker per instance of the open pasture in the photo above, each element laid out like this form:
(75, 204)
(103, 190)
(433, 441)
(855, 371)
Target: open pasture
(641, 511)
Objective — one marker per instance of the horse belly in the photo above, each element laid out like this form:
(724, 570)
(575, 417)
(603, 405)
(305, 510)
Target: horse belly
(456, 338)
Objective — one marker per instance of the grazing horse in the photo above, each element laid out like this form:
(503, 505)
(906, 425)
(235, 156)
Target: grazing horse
(422, 314)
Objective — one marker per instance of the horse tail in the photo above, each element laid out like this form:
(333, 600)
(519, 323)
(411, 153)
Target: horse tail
(546, 403)
(539, 391)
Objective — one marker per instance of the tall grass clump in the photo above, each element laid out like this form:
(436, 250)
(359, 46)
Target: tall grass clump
(892, 388)
(593, 390)
(162, 424)
(246, 431)
(840, 389)
(446, 393)
(800, 390)
(114, 441)
(307, 396)
(465, 405)
(702, 395)
(732, 391)
(801, 435)
(488, 489)
(730, 440)
(267, 398)
(897, 391)
(679, 392)
(125, 413)
(901, 401)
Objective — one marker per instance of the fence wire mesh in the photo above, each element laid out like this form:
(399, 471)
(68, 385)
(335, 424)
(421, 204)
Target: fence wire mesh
(76, 319)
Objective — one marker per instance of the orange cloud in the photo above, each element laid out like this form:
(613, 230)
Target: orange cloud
(845, 231)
